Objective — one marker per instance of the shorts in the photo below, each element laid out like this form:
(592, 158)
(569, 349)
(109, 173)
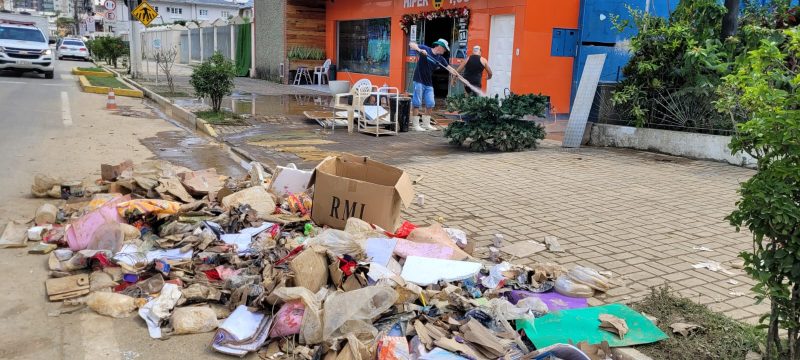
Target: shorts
(422, 92)
(468, 89)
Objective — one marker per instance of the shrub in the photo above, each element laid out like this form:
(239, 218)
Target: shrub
(491, 123)
(305, 53)
(214, 78)
(766, 85)
(108, 48)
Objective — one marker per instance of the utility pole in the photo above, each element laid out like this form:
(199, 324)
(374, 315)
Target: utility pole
(135, 42)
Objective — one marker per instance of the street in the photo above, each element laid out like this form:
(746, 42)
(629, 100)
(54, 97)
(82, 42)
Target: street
(50, 126)
(639, 215)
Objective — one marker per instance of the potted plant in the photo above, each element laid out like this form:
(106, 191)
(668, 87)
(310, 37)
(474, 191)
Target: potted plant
(303, 56)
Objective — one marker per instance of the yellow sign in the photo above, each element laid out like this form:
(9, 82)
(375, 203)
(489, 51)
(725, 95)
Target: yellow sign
(144, 13)
(437, 4)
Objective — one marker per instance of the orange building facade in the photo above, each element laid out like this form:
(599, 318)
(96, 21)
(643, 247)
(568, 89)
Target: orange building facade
(357, 32)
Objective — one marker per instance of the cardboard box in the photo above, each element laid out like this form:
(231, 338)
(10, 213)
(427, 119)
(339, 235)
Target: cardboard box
(348, 186)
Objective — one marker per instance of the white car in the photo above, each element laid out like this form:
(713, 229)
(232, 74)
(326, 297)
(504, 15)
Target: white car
(24, 48)
(72, 48)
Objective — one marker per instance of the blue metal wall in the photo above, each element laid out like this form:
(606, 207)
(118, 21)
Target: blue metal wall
(598, 36)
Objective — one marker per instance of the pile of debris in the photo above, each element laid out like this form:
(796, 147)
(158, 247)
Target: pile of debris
(286, 267)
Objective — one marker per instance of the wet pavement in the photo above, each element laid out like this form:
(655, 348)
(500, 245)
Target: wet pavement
(276, 132)
(185, 148)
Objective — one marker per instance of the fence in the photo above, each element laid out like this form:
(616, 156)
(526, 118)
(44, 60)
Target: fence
(194, 42)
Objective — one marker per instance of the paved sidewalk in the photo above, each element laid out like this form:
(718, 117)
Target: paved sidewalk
(636, 214)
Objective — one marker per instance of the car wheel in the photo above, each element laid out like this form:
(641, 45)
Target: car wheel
(48, 75)
(60, 58)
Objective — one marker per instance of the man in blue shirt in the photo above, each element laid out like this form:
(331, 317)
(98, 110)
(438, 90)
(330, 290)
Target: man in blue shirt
(429, 59)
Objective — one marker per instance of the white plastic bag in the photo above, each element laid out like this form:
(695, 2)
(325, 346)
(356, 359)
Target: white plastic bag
(193, 320)
(567, 287)
(496, 275)
(339, 242)
(353, 311)
(590, 277)
(111, 304)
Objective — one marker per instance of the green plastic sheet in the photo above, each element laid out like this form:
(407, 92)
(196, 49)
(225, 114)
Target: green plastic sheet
(578, 325)
(243, 48)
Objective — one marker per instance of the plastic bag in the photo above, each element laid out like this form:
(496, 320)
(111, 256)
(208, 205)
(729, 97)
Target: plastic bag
(500, 308)
(353, 311)
(403, 231)
(108, 236)
(361, 230)
(568, 287)
(44, 186)
(111, 304)
(496, 277)
(311, 326)
(339, 242)
(590, 277)
(288, 319)
(193, 320)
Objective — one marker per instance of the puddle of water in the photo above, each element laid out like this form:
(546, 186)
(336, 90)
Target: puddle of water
(184, 149)
(276, 105)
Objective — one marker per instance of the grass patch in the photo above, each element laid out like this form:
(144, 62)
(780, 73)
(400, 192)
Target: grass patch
(111, 82)
(722, 337)
(92, 69)
(220, 118)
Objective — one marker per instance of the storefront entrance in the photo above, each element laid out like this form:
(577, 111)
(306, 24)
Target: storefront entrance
(429, 31)
(441, 28)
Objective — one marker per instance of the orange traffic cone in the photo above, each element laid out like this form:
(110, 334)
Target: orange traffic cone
(111, 103)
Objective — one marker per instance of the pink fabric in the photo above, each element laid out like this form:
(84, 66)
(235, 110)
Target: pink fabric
(79, 233)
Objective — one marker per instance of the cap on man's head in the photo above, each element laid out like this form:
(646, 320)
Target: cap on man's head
(442, 43)
(476, 49)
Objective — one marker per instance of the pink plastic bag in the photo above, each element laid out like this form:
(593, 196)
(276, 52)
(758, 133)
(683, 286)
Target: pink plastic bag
(288, 319)
(79, 233)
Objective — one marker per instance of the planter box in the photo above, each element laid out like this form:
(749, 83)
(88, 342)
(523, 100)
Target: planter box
(692, 145)
(293, 64)
(77, 71)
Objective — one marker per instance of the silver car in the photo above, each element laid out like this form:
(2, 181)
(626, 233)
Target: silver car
(72, 48)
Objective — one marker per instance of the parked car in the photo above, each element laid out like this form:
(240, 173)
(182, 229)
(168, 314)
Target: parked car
(72, 48)
(24, 48)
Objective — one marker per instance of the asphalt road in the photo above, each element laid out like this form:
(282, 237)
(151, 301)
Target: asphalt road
(50, 126)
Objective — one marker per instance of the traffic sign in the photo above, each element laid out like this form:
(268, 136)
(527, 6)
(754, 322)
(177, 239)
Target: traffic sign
(110, 5)
(144, 13)
(111, 16)
(157, 43)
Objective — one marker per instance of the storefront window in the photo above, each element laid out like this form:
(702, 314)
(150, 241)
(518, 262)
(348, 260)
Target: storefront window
(364, 46)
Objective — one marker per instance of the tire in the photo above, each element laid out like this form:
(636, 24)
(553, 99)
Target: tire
(48, 75)
(60, 58)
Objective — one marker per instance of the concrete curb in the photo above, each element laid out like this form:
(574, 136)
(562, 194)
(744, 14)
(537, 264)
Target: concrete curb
(628, 353)
(76, 71)
(89, 88)
(172, 110)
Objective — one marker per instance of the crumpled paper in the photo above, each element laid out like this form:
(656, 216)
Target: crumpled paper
(158, 309)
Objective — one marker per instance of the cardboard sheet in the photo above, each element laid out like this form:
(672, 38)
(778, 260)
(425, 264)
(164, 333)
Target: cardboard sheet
(578, 325)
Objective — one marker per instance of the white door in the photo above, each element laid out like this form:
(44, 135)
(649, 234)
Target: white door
(501, 54)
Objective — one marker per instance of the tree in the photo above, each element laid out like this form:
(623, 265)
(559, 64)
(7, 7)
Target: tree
(165, 59)
(494, 124)
(214, 78)
(766, 86)
(731, 19)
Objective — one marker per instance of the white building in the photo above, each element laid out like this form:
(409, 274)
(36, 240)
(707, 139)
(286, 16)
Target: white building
(170, 11)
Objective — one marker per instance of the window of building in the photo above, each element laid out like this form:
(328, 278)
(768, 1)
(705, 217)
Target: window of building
(363, 46)
(173, 10)
(156, 8)
(203, 12)
(226, 14)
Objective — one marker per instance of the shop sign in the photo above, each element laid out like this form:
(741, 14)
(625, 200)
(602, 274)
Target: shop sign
(437, 4)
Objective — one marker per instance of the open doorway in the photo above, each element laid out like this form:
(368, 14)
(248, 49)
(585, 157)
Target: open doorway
(439, 28)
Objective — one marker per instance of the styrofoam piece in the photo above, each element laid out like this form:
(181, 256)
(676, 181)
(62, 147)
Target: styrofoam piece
(425, 271)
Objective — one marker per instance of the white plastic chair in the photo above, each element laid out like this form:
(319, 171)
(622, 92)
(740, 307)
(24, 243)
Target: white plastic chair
(322, 71)
(359, 93)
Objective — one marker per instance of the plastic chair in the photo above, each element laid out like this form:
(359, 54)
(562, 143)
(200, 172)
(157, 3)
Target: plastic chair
(322, 71)
(354, 100)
